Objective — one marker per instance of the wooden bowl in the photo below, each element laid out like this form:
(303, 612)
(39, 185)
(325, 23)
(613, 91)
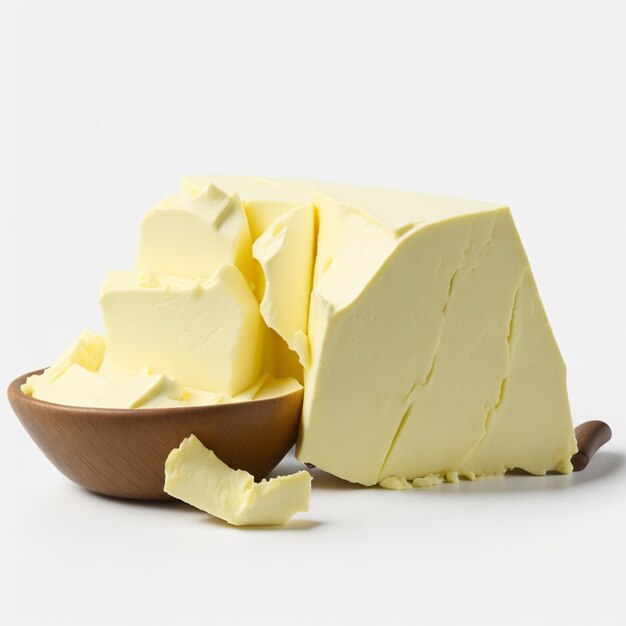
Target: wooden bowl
(122, 452)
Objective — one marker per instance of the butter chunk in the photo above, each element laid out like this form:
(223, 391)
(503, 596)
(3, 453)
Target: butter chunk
(285, 251)
(430, 480)
(197, 476)
(395, 483)
(205, 333)
(87, 350)
(192, 236)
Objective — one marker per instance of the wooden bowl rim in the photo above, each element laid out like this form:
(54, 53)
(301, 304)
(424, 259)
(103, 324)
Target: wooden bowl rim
(14, 391)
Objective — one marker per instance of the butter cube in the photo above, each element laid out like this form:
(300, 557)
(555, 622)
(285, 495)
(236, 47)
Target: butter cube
(197, 476)
(192, 236)
(204, 333)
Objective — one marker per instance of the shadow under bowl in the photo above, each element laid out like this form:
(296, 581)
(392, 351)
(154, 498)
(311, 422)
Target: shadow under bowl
(122, 452)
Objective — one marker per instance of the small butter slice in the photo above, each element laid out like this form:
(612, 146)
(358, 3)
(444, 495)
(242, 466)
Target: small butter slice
(197, 476)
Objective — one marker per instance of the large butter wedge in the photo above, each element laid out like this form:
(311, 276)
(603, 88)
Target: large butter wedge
(205, 334)
(190, 236)
(431, 354)
(197, 476)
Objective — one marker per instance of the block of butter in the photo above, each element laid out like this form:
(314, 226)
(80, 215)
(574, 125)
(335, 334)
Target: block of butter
(195, 475)
(205, 333)
(431, 353)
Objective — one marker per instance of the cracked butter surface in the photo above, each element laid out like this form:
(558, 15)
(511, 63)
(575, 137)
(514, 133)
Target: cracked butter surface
(431, 354)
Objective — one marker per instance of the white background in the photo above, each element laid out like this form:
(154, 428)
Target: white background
(104, 104)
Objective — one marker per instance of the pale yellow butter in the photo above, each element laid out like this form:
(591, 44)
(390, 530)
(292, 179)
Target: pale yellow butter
(428, 355)
(205, 333)
(78, 386)
(75, 384)
(273, 388)
(285, 251)
(264, 388)
(195, 475)
(82, 386)
(430, 480)
(430, 350)
(263, 200)
(395, 483)
(87, 350)
(191, 237)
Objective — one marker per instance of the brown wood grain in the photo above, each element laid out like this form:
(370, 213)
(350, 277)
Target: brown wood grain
(122, 452)
(590, 436)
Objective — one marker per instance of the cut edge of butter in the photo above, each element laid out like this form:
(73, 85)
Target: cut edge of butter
(195, 475)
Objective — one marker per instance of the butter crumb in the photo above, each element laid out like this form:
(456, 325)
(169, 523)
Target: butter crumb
(395, 483)
(430, 480)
